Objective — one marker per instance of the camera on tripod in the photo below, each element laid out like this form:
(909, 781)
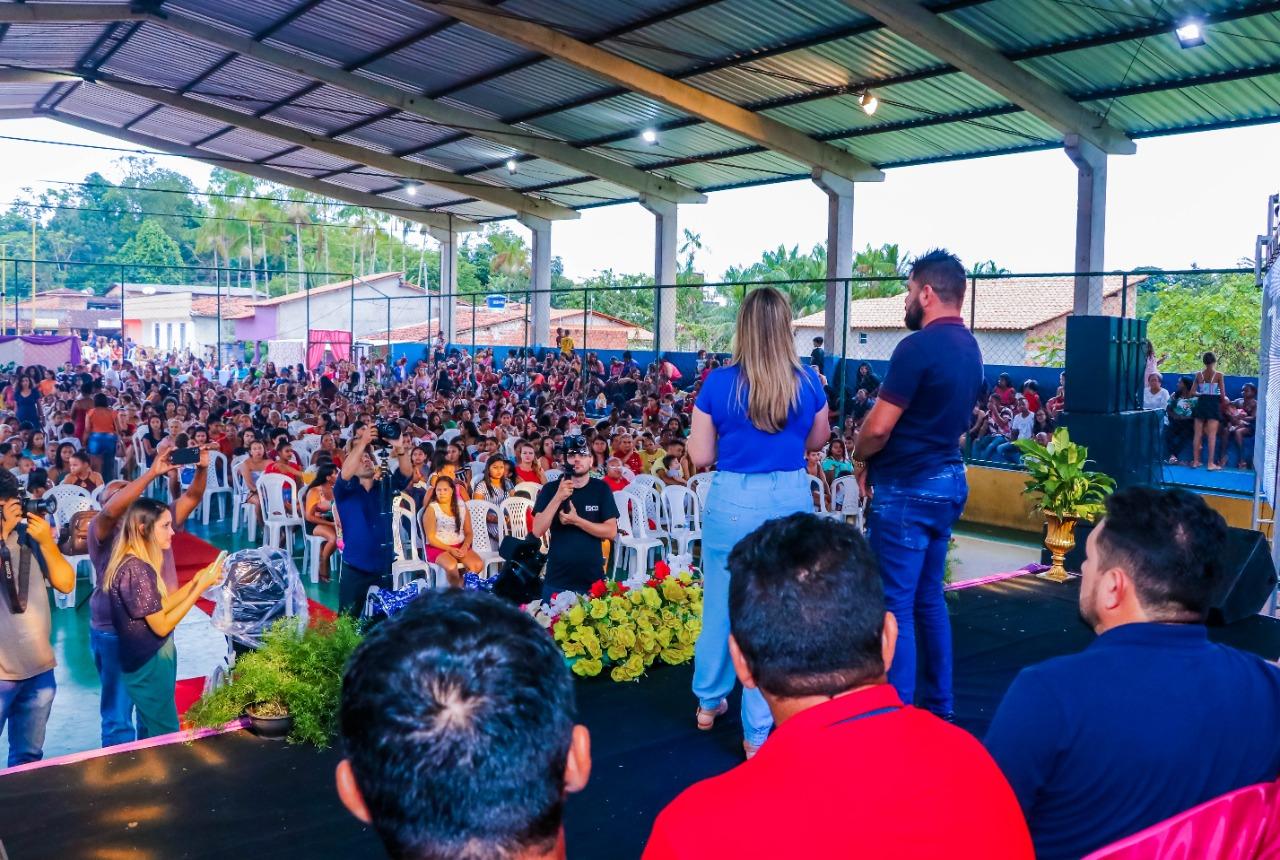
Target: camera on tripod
(388, 431)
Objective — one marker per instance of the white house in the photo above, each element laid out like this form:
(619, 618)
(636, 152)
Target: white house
(1020, 321)
(359, 305)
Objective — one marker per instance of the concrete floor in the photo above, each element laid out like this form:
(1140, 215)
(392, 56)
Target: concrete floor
(74, 726)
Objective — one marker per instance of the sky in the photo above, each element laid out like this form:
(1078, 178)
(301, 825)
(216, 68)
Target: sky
(1182, 200)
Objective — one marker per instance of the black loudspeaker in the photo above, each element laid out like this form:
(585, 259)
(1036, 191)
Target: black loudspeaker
(1106, 357)
(1127, 445)
(1251, 577)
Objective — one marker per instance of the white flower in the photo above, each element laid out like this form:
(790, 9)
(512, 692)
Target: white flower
(563, 602)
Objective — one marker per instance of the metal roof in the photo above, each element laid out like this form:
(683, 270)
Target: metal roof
(800, 62)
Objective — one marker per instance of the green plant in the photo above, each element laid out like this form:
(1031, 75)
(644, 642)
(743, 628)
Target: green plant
(300, 672)
(1058, 475)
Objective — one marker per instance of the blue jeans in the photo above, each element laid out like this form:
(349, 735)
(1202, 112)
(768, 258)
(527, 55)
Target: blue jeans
(116, 707)
(1009, 453)
(737, 504)
(909, 529)
(24, 707)
(986, 447)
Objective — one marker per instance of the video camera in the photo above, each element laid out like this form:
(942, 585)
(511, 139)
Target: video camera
(574, 445)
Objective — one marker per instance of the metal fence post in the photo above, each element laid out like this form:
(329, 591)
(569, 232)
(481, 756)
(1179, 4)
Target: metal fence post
(16, 300)
(973, 303)
(217, 356)
(122, 292)
(586, 372)
(473, 339)
(1124, 296)
(844, 353)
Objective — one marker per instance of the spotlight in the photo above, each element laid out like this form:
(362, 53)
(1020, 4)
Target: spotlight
(512, 166)
(869, 103)
(411, 190)
(1190, 33)
(649, 136)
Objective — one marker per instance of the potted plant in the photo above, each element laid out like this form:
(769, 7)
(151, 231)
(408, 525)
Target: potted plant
(290, 687)
(1066, 492)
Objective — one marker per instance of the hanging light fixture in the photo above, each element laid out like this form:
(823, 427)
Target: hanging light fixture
(512, 165)
(411, 189)
(1190, 33)
(869, 102)
(649, 136)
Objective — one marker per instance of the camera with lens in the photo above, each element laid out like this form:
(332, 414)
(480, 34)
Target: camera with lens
(388, 431)
(574, 445)
(38, 507)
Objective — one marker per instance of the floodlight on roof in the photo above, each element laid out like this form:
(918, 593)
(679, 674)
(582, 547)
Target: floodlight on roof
(1190, 33)
(869, 103)
(512, 165)
(649, 135)
(411, 189)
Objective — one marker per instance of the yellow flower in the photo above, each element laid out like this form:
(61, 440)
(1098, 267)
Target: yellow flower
(646, 641)
(635, 664)
(673, 591)
(664, 635)
(571, 649)
(635, 597)
(617, 611)
(673, 656)
(625, 636)
(620, 673)
(599, 609)
(616, 652)
(684, 637)
(560, 633)
(651, 597)
(577, 615)
(587, 668)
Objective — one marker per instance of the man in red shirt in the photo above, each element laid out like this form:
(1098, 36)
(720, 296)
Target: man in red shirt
(850, 771)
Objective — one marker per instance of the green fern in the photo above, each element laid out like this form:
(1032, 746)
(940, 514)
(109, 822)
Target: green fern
(1058, 475)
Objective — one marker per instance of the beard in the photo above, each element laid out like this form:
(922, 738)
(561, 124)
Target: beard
(915, 316)
(576, 471)
(1088, 610)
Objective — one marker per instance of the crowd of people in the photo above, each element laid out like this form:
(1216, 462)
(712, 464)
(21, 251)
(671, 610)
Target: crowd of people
(479, 694)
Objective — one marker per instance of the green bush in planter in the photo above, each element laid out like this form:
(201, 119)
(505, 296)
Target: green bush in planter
(300, 672)
(1059, 478)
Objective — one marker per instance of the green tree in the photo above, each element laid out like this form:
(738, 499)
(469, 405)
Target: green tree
(1208, 313)
(151, 246)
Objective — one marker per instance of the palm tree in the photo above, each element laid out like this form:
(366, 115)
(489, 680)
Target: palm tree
(510, 255)
(299, 212)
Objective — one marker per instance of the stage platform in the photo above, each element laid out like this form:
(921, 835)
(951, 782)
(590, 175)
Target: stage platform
(236, 796)
(1233, 481)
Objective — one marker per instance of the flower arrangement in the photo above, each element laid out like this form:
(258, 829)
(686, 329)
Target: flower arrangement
(626, 626)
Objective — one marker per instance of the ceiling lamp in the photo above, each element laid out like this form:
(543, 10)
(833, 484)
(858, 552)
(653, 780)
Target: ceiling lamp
(869, 103)
(649, 136)
(1190, 33)
(512, 165)
(411, 189)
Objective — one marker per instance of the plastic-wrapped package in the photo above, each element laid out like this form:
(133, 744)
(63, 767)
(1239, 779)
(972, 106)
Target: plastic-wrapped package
(258, 586)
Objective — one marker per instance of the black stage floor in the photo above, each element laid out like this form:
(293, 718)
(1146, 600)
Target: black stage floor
(235, 796)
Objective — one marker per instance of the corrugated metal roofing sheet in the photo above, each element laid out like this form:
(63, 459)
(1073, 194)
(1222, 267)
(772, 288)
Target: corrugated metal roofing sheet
(797, 60)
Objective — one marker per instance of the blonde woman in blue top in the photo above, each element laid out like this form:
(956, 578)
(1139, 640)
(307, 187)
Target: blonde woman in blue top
(755, 419)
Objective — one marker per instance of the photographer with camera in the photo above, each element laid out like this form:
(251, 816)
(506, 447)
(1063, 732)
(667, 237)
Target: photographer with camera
(27, 686)
(116, 708)
(363, 496)
(579, 512)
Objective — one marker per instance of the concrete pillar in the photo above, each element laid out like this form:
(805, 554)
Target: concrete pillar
(1091, 221)
(540, 320)
(839, 191)
(448, 240)
(666, 241)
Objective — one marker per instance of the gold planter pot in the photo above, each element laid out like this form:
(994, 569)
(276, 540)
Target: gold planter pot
(1060, 540)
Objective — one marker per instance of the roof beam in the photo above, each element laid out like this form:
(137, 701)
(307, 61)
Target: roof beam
(763, 130)
(68, 13)
(398, 167)
(523, 140)
(983, 63)
(17, 113)
(270, 174)
(35, 76)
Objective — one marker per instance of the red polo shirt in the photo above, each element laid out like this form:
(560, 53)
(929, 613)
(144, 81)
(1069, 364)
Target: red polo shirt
(858, 776)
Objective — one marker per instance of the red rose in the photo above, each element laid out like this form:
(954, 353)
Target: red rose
(599, 589)
(661, 570)
(653, 583)
(622, 589)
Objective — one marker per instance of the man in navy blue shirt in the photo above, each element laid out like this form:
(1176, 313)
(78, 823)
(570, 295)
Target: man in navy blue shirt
(908, 454)
(1152, 718)
(366, 520)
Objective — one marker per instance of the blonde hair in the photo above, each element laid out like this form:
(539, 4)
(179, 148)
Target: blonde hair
(765, 354)
(137, 539)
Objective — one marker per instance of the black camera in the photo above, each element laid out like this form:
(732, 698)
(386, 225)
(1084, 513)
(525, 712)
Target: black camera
(574, 445)
(388, 431)
(38, 507)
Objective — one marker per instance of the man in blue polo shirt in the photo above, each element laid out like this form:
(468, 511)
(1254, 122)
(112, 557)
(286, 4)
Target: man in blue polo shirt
(908, 462)
(1152, 718)
(366, 518)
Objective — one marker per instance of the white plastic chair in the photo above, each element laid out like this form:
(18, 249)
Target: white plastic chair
(684, 517)
(408, 559)
(553, 475)
(628, 474)
(649, 490)
(67, 510)
(477, 472)
(701, 486)
(240, 506)
(311, 547)
(479, 511)
(633, 533)
(216, 486)
(514, 518)
(846, 500)
(528, 488)
(820, 507)
(66, 495)
(280, 518)
(451, 434)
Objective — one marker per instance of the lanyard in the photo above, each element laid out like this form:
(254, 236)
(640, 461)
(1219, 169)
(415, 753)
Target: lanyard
(877, 712)
(16, 586)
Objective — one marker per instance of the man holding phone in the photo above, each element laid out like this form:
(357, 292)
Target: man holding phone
(580, 514)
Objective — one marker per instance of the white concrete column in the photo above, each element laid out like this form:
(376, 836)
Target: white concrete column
(839, 191)
(540, 320)
(448, 240)
(1091, 221)
(665, 243)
